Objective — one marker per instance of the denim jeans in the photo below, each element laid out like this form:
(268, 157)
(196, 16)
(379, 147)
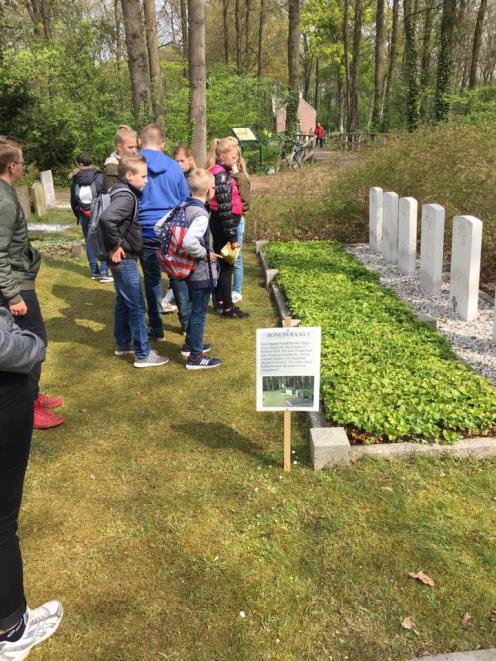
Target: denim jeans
(238, 264)
(92, 260)
(153, 282)
(129, 312)
(182, 297)
(16, 422)
(199, 304)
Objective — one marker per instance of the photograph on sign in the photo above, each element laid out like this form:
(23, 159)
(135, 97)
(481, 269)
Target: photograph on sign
(288, 369)
(244, 134)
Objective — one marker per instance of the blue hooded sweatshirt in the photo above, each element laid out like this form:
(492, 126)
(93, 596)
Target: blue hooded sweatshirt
(166, 188)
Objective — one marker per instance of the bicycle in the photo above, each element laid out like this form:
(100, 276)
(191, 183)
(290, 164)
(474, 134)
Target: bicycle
(292, 154)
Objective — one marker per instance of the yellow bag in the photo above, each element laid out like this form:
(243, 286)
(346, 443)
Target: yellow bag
(229, 254)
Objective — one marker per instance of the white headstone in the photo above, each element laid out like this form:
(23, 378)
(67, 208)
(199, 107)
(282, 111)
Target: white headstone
(431, 248)
(47, 183)
(465, 266)
(24, 200)
(390, 227)
(407, 235)
(375, 218)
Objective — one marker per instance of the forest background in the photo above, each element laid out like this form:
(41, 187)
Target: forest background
(71, 71)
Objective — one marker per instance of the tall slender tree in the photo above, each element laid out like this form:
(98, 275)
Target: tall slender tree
(136, 58)
(248, 8)
(293, 59)
(157, 87)
(379, 63)
(237, 21)
(426, 57)
(261, 30)
(346, 58)
(197, 79)
(393, 50)
(476, 43)
(355, 67)
(445, 61)
(225, 24)
(184, 27)
(411, 68)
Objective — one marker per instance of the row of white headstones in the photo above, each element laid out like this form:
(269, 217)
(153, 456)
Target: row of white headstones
(393, 233)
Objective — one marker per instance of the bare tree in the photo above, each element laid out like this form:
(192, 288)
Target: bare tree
(261, 28)
(157, 87)
(198, 79)
(136, 57)
(379, 63)
(476, 44)
(184, 27)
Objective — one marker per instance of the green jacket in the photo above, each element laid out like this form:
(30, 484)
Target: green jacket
(19, 262)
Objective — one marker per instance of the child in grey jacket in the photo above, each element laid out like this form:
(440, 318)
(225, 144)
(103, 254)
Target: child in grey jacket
(204, 278)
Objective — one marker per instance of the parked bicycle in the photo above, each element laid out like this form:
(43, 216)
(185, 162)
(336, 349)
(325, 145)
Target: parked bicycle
(292, 155)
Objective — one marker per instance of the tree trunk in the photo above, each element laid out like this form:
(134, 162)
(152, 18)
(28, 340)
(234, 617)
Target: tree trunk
(293, 58)
(339, 99)
(346, 58)
(197, 79)
(246, 67)
(379, 64)
(118, 35)
(472, 81)
(136, 58)
(316, 96)
(411, 69)
(237, 18)
(184, 27)
(445, 61)
(39, 13)
(157, 87)
(393, 47)
(261, 28)
(426, 58)
(307, 69)
(225, 23)
(355, 67)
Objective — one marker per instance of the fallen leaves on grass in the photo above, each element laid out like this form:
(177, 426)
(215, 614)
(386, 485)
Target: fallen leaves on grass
(423, 578)
(409, 624)
(465, 621)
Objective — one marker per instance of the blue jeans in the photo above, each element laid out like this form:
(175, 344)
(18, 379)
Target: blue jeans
(92, 260)
(129, 312)
(199, 304)
(238, 264)
(182, 297)
(153, 282)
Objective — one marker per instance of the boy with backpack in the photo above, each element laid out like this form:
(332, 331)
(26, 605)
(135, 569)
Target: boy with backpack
(184, 255)
(87, 184)
(123, 241)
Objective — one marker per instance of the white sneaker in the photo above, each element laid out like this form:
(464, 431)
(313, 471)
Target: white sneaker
(167, 308)
(152, 360)
(106, 278)
(236, 298)
(42, 623)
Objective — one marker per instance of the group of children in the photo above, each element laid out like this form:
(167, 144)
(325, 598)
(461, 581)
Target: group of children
(146, 186)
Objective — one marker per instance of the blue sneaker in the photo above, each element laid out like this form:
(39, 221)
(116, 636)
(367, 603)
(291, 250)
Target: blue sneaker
(185, 352)
(202, 362)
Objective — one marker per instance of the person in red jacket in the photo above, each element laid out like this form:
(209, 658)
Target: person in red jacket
(320, 134)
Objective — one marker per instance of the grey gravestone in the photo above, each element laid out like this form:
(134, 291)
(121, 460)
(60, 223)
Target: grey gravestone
(407, 235)
(39, 203)
(465, 266)
(390, 227)
(431, 248)
(375, 218)
(47, 183)
(24, 200)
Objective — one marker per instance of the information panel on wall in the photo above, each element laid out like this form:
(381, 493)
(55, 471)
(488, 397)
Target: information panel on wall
(288, 369)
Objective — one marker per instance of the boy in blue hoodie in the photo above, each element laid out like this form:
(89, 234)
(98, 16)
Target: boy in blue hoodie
(166, 189)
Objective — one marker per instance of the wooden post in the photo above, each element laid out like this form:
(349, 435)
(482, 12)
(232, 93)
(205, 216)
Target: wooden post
(287, 322)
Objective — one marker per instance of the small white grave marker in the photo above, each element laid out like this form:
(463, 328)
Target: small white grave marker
(465, 266)
(390, 227)
(375, 218)
(431, 248)
(47, 183)
(407, 235)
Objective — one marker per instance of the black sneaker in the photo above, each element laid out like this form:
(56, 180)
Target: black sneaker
(156, 334)
(202, 362)
(185, 352)
(234, 313)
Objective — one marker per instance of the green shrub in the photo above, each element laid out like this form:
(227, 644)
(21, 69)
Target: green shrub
(383, 373)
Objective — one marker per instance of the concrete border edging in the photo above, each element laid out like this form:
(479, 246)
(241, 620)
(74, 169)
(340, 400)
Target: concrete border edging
(330, 446)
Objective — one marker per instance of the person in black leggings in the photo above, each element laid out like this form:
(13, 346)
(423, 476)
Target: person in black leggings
(20, 627)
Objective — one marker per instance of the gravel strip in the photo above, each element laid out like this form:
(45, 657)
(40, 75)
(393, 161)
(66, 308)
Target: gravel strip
(471, 340)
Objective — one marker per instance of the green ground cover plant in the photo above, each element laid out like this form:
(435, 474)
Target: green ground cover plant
(383, 373)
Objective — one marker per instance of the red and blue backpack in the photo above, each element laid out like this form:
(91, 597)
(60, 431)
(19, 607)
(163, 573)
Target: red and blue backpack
(171, 230)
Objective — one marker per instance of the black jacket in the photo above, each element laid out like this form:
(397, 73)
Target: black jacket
(223, 195)
(86, 177)
(119, 221)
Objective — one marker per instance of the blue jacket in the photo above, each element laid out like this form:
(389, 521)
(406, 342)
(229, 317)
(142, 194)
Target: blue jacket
(166, 188)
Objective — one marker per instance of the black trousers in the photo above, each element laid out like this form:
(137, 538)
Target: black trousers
(33, 321)
(16, 426)
(223, 291)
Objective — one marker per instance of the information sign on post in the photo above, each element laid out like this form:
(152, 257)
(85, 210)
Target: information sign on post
(243, 135)
(288, 374)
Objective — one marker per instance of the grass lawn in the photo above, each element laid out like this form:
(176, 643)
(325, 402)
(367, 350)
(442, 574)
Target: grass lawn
(160, 511)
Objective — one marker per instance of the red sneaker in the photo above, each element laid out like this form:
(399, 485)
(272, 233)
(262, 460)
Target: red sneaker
(48, 402)
(43, 419)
